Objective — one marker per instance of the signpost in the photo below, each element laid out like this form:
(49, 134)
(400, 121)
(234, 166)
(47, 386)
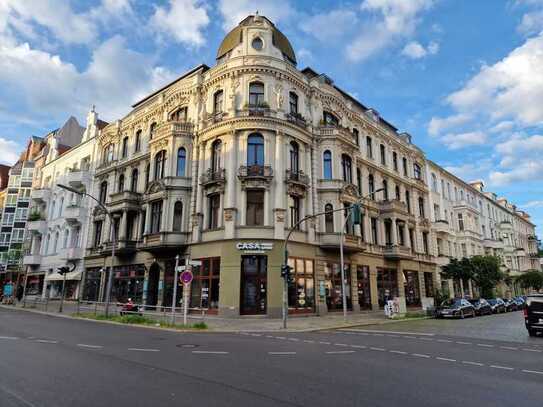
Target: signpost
(186, 278)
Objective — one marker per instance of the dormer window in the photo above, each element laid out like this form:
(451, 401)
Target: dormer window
(329, 119)
(256, 94)
(257, 44)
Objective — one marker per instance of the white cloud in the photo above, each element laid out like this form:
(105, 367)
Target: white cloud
(415, 50)
(52, 88)
(533, 204)
(505, 126)
(10, 151)
(437, 125)
(391, 20)
(531, 23)
(523, 172)
(477, 169)
(462, 140)
(183, 20)
(234, 11)
(330, 26)
(56, 16)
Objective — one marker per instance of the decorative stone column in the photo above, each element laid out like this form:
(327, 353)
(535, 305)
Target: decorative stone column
(279, 205)
(230, 210)
(198, 215)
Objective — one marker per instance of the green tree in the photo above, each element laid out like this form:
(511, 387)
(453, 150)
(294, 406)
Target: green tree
(532, 279)
(458, 270)
(486, 273)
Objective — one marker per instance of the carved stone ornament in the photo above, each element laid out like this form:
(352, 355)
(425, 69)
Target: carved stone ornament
(229, 214)
(296, 190)
(154, 187)
(280, 215)
(160, 144)
(350, 189)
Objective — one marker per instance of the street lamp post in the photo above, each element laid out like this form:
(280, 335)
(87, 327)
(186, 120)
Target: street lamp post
(113, 238)
(285, 255)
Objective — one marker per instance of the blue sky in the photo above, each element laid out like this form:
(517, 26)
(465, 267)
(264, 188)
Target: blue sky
(464, 77)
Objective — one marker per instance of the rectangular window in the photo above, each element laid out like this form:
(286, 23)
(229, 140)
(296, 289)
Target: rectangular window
(214, 209)
(369, 150)
(11, 200)
(21, 214)
(125, 147)
(429, 284)
(5, 238)
(156, 216)
(17, 235)
(425, 242)
(97, 233)
(301, 289)
(383, 154)
(404, 165)
(205, 284)
(255, 208)
(395, 161)
(460, 222)
(294, 207)
(374, 234)
(7, 219)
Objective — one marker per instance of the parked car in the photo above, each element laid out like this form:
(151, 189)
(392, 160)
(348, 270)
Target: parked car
(521, 302)
(497, 304)
(533, 314)
(510, 305)
(455, 308)
(482, 307)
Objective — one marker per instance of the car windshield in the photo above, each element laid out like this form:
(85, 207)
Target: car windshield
(452, 303)
(493, 301)
(475, 302)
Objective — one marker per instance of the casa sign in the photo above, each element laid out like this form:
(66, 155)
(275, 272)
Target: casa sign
(254, 246)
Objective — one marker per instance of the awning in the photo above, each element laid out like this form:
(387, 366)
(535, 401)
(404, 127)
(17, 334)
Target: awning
(74, 275)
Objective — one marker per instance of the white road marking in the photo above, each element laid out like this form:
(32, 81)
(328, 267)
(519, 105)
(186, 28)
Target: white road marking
(210, 352)
(281, 353)
(84, 345)
(270, 336)
(378, 335)
(280, 337)
(45, 341)
(394, 336)
(11, 338)
(325, 343)
(508, 347)
(445, 359)
(426, 339)
(379, 349)
(531, 350)
(485, 345)
(308, 341)
(466, 362)
(444, 340)
(393, 332)
(399, 352)
(464, 343)
(420, 355)
(532, 371)
(358, 346)
(341, 344)
(339, 352)
(143, 350)
(502, 367)
(256, 334)
(293, 339)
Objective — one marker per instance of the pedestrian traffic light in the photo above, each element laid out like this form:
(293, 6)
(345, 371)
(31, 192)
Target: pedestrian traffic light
(356, 214)
(285, 272)
(63, 270)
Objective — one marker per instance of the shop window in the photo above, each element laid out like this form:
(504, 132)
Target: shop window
(327, 164)
(363, 287)
(328, 219)
(301, 288)
(128, 283)
(387, 285)
(204, 291)
(255, 208)
(214, 201)
(177, 216)
(411, 288)
(332, 284)
(181, 161)
(429, 284)
(156, 216)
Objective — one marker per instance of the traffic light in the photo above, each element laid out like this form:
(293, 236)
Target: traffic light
(63, 270)
(356, 214)
(285, 273)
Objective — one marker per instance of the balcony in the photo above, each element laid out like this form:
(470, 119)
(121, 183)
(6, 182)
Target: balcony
(75, 214)
(532, 238)
(122, 247)
(255, 175)
(397, 252)
(37, 226)
(393, 206)
(127, 200)
(256, 110)
(32, 260)
(77, 179)
(174, 128)
(155, 242)
(72, 253)
(351, 243)
(493, 243)
(297, 119)
(41, 195)
(336, 132)
(442, 226)
(506, 226)
(213, 177)
(519, 251)
(297, 182)
(442, 260)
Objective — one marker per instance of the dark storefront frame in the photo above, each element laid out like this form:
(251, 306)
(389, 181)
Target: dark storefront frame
(332, 281)
(412, 288)
(387, 279)
(301, 291)
(363, 286)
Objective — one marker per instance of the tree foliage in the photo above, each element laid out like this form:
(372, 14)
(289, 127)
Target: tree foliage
(486, 273)
(531, 279)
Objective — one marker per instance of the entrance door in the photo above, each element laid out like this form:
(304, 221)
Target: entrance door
(253, 285)
(152, 285)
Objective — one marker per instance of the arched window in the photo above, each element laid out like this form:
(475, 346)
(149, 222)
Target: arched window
(177, 216)
(160, 163)
(134, 180)
(329, 119)
(327, 164)
(385, 190)
(47, 243)
(328, 219)
(255, 150)
(294, 157)
(107, 153)
(293, 103)
(65, 238)
(55, 243)
(356, 137)
(121, 183)
(398, 193)
(217, 102)
(216, 152)
(256, 94)
(152, 130)
(346, 165)
(180, 115)
(103, 192)
(371, 186)
(434, 182)
(137, 141)
(124, 152)
(181, 161)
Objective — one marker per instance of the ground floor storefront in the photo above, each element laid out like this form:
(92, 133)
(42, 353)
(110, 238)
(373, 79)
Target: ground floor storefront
(236, 278)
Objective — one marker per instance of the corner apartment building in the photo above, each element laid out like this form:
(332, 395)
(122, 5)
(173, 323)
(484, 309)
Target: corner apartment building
(219, 164)
(58, 219)
(468, 221)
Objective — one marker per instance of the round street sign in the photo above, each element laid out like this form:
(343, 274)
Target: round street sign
(186, 277)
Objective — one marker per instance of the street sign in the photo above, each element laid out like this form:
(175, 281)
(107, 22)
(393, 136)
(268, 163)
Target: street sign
(186, 277)
(180, 268)
(195, 262)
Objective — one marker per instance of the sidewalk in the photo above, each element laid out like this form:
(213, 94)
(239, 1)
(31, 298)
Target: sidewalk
(297, 323)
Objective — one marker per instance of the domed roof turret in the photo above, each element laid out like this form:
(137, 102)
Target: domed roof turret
(236, 37)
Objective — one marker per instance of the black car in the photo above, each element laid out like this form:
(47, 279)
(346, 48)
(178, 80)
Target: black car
(510, 305)
(482, 307)
(455, 308)
(533, 314)
(521, 302)
(497, 304)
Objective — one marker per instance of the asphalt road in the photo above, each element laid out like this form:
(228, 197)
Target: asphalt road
(49, 361)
